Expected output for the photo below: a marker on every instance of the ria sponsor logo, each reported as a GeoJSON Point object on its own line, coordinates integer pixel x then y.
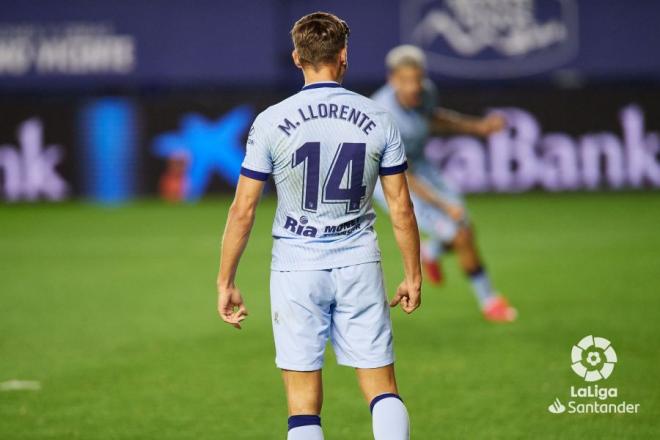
{"type": "Point", "coordinates": [301, 227]}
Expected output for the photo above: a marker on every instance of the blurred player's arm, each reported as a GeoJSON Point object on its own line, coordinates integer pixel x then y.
{"type": "Point", "coordinates": [429, 195]}
{"type": "Point", "coordinates": [450, 121]}
{"type": "Point", "coordinates": [395, 187]}
{"type": "Point", "coordinates": [237, 231]}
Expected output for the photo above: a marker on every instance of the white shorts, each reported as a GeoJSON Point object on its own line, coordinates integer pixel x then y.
{"type": "Point", "coordinates": [346, 304]}
{"type": "Point", "coordinates": [431, 220]}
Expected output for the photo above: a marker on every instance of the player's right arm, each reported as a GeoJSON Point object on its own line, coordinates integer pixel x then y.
{"type": "Point", "coordinates": [445, 120]}
{"type": "Point", "coordinates": [255, 170]}
{"type": "Point", "coordinates": [240, 219]}
{"type": "Point", "coordinates": [404, 223]}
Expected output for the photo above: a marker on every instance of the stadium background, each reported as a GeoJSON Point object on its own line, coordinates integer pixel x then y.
{"type": "Point", "coordinates": [107, 290]}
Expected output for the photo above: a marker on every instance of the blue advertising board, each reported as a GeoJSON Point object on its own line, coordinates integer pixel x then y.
{"type": "Point", "coordinates": [185, 145]}
{"type": "Point", "coordinates": [81, 43]}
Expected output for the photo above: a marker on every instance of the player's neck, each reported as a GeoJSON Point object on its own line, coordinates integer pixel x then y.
{"type": "Point", "coordinates": [323, 74]}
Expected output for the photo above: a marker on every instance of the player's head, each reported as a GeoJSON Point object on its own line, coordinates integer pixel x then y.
{"type": "Point", "coordinates": [320, 41]}
{"type": "Point", "coordinates": [406, 65]}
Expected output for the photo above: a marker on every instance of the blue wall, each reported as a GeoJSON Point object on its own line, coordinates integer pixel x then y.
{"type": "Point", "coordinates": [180, 43]}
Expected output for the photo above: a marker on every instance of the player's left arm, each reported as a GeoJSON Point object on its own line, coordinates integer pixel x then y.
{"type": "Point", "coordinates": [406, 234]}
{"type": "Point", "coordinates": [445, 120]}
{"type": "Point", "coordinates": [240, 219]}
{"type": "Point", "coordinates": [393, 165]}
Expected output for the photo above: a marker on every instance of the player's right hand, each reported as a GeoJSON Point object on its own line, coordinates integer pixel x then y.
{"type": "Point", "coordinates": [408, 296]}
{"type": "Point", "coordinates": [231, 307]}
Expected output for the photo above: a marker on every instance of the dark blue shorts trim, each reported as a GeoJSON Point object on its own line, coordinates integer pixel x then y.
{"type": "Point", "coordinates": [387, 171]}
{"type": "Point", "coordinates": [257, 175]}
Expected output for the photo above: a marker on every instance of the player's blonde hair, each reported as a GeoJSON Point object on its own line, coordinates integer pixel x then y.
{"type": "Point", "coordinates": [319, 37]}
{"type": "Point", "coordinates": [405, 55]}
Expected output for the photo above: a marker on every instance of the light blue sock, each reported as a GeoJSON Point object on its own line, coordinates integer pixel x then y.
{"type": "Point", "coordinates": [305, 427]}
{"type": "Point", "coordinates": [433, 248]}
{"type": "Point", "coordinates": [481, 285]}
{"type": "Point", "coordinates": [389, 418]}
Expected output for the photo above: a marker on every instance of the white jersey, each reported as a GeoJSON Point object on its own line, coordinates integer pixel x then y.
{"type": "Point", "coordinates": [325, 147]}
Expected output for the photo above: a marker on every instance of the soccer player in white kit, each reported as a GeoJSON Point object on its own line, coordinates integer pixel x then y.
{"type": "Point", "coordinates": [325, 148]}
{"type": "Point", "coordinates": [411, 99]}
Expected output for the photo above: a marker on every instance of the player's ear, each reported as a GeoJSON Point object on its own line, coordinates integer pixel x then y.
{"type": "Point", "coordinates": [296, 59]}
{"type": "Point", "coordinates": [343, 57]}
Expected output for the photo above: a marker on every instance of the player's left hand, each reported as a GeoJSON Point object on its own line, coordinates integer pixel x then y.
{"type": "Point", "coordinates": [231, 307]}
{"type": "Point", "coordinates": [408, 296]}
{"type": "Point", "coordinates": [491, 124]}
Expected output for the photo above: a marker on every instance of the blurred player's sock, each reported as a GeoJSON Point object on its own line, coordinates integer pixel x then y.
{"type": "Point", "coordinates": [494, 307]}
{"type": "Point", "coordinates": [481, 285]}
{"type": "Point", "coordinates": [431, 252]}
{"type": "Point", "coordinates": [432, 249]}
{"type": "Point", "coordinates": [389, 418]}
{"type": "Point", "coordinates": [304, 427]}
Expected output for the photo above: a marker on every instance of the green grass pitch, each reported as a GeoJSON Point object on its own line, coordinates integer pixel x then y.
{"type": "Point", "coordinates": [113, 311]}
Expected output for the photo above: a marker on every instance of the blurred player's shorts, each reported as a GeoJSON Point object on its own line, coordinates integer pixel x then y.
{"type": "Point", "coordinates": [431, 220]}
{"type": "Point", "coordinates": [348, 305]}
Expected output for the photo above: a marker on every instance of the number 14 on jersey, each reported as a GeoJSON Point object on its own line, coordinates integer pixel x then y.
{"type": "Point", "coordinates": [349, 159]}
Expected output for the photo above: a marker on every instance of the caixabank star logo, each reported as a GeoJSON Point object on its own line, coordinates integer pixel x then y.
{"type": "Point", "coordinates": [593, 358]}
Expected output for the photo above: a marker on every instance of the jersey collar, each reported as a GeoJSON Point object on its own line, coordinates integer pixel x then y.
{"type": "Point", "coordinates": [318, 85]}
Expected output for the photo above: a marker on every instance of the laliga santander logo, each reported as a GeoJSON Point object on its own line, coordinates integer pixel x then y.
{"type": "Point", "coordinates": [593, 358]}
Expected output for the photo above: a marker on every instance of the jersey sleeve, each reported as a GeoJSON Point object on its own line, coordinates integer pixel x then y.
{"type": "Point", "coordinates": [257, 163]}
{"type": "Point", "coordinates": [393, 159]}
